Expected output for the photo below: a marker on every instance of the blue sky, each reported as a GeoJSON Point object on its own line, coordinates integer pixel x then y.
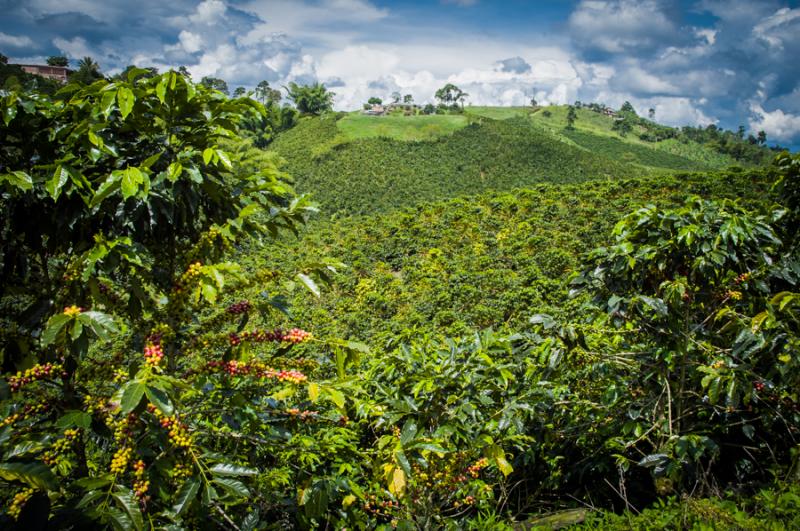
{"type": "Point", "coordinates": [728, 62]}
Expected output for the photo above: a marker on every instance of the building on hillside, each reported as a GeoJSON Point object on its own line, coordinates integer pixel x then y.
{"type": "Point", "coordinates": [609, 112]}
{"type": "Point", "coordinates": [375, 110]}
{"type": "Point", "coordinates": [59, 73]}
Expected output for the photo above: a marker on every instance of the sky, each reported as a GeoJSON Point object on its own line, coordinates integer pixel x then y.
{"type": "Point", "coordinates": [695, 62]}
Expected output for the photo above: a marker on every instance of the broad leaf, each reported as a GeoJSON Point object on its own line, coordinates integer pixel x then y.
{"type": "Point", "coordinates": [35, 474]}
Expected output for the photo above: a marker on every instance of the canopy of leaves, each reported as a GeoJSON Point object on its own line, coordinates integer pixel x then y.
{"type": "Point", "coordinates": [310, 99]}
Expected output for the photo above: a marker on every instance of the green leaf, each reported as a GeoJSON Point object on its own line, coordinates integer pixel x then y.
{"type": "Point", "coordinates": [102, 324]}
{"type": "Point", "coordinates": [336, 396]}
{"type": "Point", "coordinates": [402, 460]}
{"type": "Point", "coordinates": [310, 284]}
{"type": "Point", "coordinates": [9, 113]}
{"type": "Point", "coordinates": [161, 88]}
{"type": "Point", "coordinates": [20, 179]}
{"type": "Point", "coordinates": [186, 495]}
{"type": "Point", "coordinates": [90, 497]}
{"type": "Point", "coordinates": [226, 469]}
{"type": "Point", "coordinates": [233, 486]}
{"type": "Point", "coordinates": [159, 399]}
{"type": "Point", "coordinates": [360, 347]}
{"type": "Point", "coordinates": [134, 391]}
{"type": "Point", "coordinates": [54, 326]}
{"type": "Point", "coordinates": [435, 448]}
{"type": "Point", "coordinates": [109, 186]}
{"type": "Point", "coordinates": [225, 159]}
{"type": "Point", "coordinates": [57, 182]}
{"type": "Point", "coordinates": [208, 153]}
{"type": "Point", "coordinates": [35, 474]}
{"type": "Point", "coordinates": [107, 102]}
{"type": "Point", "coordinates": [408, 433]}
{"type": "Point", "coordinates": [126, 499]}
{"type": "Point", "coordinates": [74, 418]}
{"type": "Point", "coordinates": [119, 519]}
{"type": "Point", "coordinates": [131, 179]}
{"type": "Point", "coordinates": [25, 448]}
{"type": "Point", "coordinates": [125, 99]}
{"type": "Point", "coordinates": [174, 171]}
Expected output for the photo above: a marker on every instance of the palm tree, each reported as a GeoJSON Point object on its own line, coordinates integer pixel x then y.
{"type": "Point", "coordinates": [89, 65]}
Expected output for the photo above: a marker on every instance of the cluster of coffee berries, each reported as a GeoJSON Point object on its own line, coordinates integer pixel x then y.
{"type": "Point", "coordinates": [718, 364]}
{"type": "Point", "coordinates": [181, 471]}
{"type": "Point", "coordinates": [178, 432]}
{"type": "Point", "coordinates": [744, 277]}
{"type": "Point", "coordinates": [19, 501]}
{"type": "Point", "coordinates": [120, 461]}
{"type": "Point", "coordinates": [475, 469]}
{"type": "Point", "coordinates": [28, 411]}
{"type": "Point", "coordinates": [255, 369]}
{"type": "Point", "coordinates": [469, 500]}
{"type": "Point", "coordinates": [759, 386]}
{"type": "Point", "coordinates": [295, 335]}
{"type": "Point", "coordinates": [123, 428]}
{"type": "Point", "coordinates": [35, 373]}
{"type": "Point", "coordinates": [141, 484]}
{"type": "Point", "coordinates": [73, 310]}
{"type": "Point", "coordinates": [153, 354]}
{"type": "Point", "coordinates": [240, 307]}
{"type": "Point", "coordinates": [61, 446]}
{"type": "Point", "coordinates": [93, 404]}
{"type": "Point", "coordinates": [733, 295]}
{"type": "Point", "coordinates": [302, 415]}
{"type": "Point", "coordinates": [186, 278]}
{"type": "Point", "coordinates": [380, 507]}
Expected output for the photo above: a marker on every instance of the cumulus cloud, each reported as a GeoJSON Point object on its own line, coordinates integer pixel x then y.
{"type": "Point", "coordinates": [777, 124]}
{"type": "Point", "coordinates": [209, 12]}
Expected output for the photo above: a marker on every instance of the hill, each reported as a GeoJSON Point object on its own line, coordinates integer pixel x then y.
{"type": "Point", "coordinates": [356, 164]}
{"type": "Point", "coordinates": [378, 174]}
{"type": "Point", "coordinates": [489, 260]}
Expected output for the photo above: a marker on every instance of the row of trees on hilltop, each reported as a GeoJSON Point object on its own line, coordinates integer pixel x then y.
{"type": "Point", "coordinates": [450, 98]}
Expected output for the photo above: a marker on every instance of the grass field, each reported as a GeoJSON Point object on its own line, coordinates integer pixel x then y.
{"type": "Point", "coordinates": [356, 126]}
{"type": "Point", "coordinates": [497, 113]}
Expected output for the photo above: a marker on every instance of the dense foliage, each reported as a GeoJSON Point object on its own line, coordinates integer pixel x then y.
{"type": "Point", "coordinates": [310, 99]}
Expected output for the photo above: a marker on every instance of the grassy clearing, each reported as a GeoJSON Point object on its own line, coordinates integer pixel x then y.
{"type": "Point", "coordinates": [598, 125]}
{"type": "Point", "coordinates": [356, 126]}
{"type": "Point", "coordinates": [498, 113]}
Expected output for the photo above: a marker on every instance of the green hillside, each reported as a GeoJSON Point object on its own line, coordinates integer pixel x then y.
{"type": "Point", "coordinates": [355, 126]}
{"type": "Point", "coordinates": [357, 164]}
{"type": "Point", "coordinates": [378, 174]}
{"type": "Point", "coordinates": [490, 260]}
{"type": "Point", "coordinates": [591, 124]}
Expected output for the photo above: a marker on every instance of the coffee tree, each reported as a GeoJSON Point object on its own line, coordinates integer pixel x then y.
{"type": "Point", "coordinates": [705, 298]}
{"type": "Point", "coordinates": [138, 403]}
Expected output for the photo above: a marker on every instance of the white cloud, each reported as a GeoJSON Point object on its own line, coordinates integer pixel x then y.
{"type": "Point", "coordinates": [14, 40]}
{"type": "Point", "coordinates": [190, 42]}
{"type": "Point", "coordinates": [773, 29]}
{"type": "Point", "coordinates": [637, 80]}
{"type": "Point", "coordinates": [75, 48]}
{"type": "Point", "coordinates": [777, 124]}
{"type": "Point", "coordinates": [209, 12]}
